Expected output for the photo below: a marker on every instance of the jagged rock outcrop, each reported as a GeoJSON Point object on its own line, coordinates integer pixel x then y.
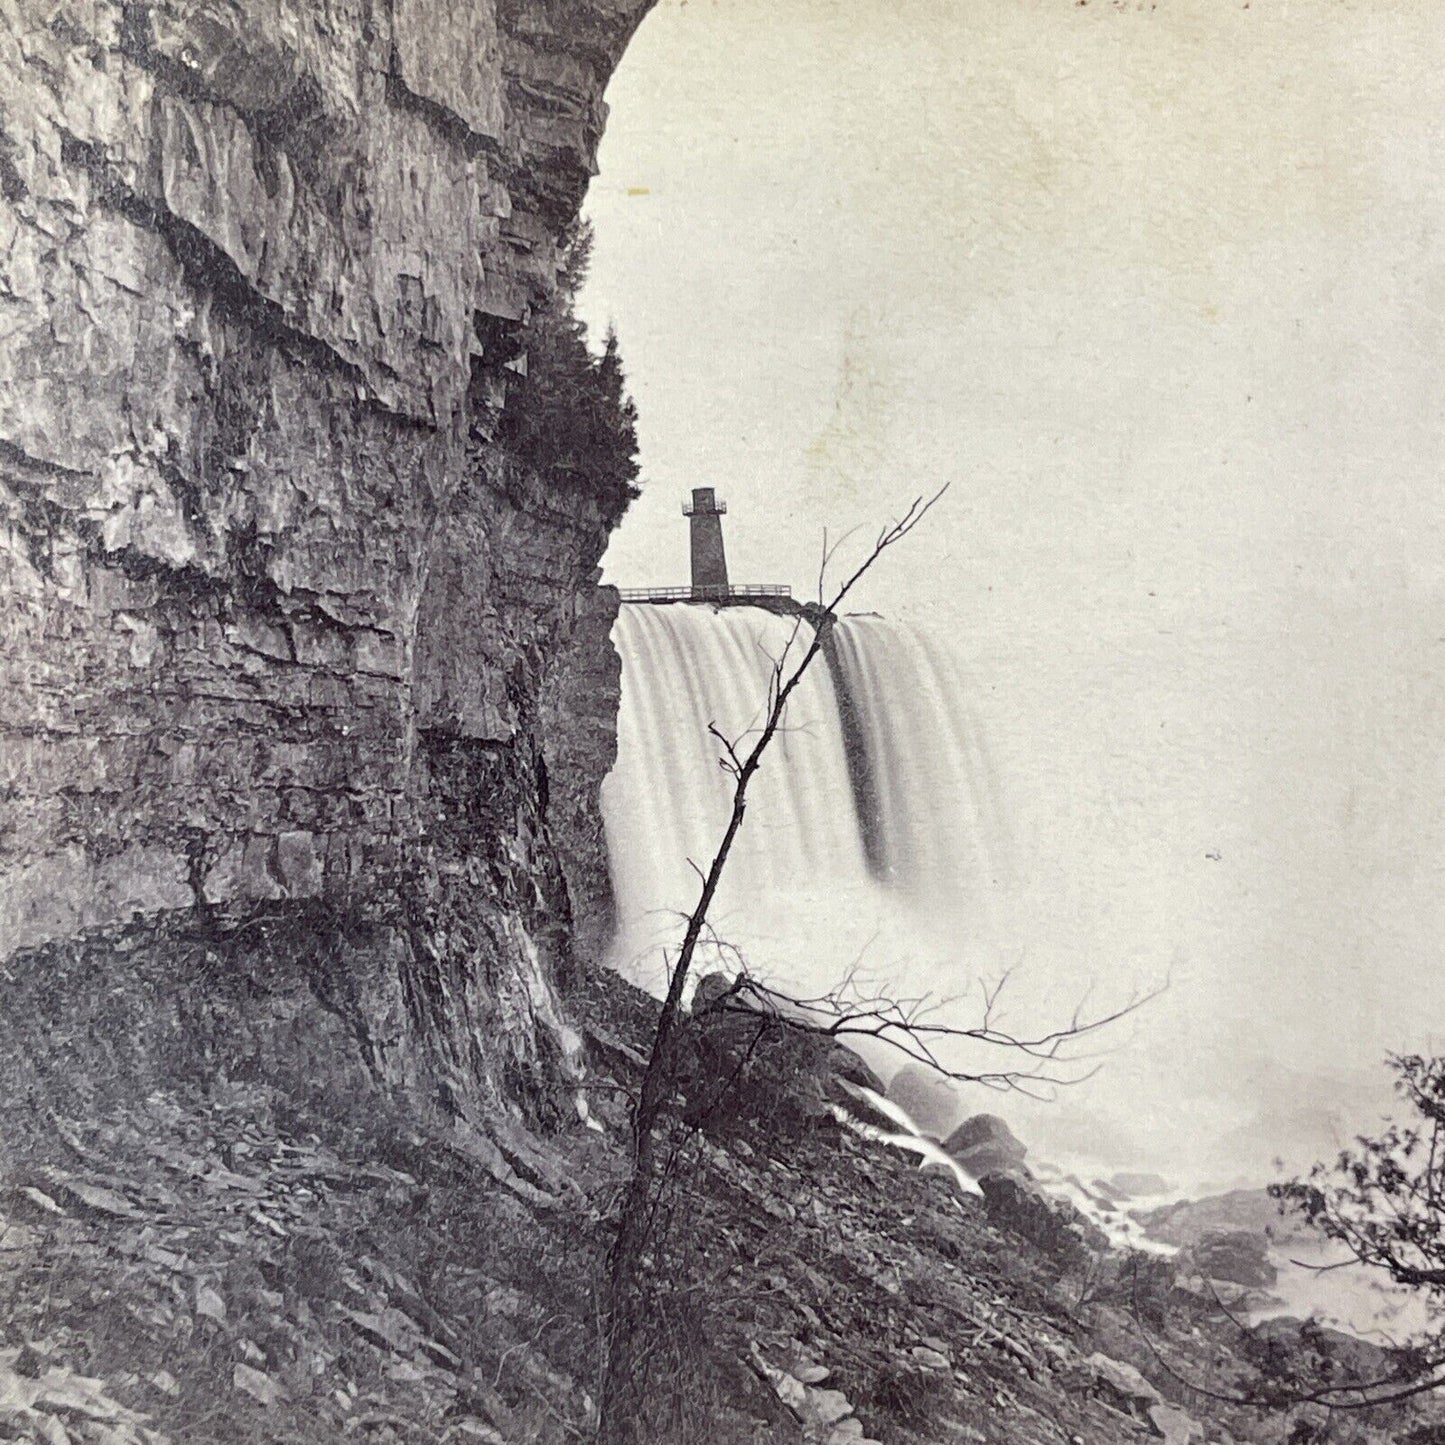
{"type": "Point", "coordinates": [285, 631]}
{"type": "Point", "coordinates": [735, 1050]}
{"type": "Point", "coordinates": [1187, 1222]}
{"type": "Point", "coordinates": [1054, 1226]}
{"type": "Point", "coordinates": [1235, 1257]}
{"type": "Point", "coordinates": [984, 1144]}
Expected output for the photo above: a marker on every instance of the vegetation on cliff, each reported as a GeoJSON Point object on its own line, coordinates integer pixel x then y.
{"type": "Point", "coordinates": [568, 416]}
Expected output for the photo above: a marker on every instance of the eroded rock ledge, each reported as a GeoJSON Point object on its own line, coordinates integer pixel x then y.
{"type": "Point", "coordinates": [287, 637]}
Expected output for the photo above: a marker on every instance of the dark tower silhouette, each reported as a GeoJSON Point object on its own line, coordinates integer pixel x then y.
{"type": "Point", "coordinates": [709, 562]}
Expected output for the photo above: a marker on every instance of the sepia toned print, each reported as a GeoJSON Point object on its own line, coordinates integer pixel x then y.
{"type": "Point", "coordinates": [718, 722]}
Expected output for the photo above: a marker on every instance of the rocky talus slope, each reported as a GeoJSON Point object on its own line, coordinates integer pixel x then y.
{"type": "Point", "coordinates": [232, 1258]}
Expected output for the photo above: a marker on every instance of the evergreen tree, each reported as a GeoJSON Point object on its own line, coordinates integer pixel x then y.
{"type": "Point", "coordinates": [570, 418]}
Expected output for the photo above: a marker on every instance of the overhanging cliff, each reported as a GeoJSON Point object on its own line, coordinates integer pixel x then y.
{"type": "Point", "coordinates": [289, 642]}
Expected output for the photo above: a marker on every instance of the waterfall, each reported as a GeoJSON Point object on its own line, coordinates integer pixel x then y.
{"type": "Point", "coordinates": [926, 790]}
{"type": "Point", "coordinates": [870, 822]}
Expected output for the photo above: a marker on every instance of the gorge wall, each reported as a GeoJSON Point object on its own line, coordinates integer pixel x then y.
{"type": "Point", "coordinates": [304, 681]}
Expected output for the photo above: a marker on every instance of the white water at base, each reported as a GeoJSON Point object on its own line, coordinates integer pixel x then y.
{"type": "Point", "coordinates": [800, 900]}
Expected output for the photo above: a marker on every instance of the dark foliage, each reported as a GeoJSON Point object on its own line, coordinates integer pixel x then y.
{"type": "Point", "coordinates": [1385, 1199]}
{"type": "Point", "coordinates": [569, 418]}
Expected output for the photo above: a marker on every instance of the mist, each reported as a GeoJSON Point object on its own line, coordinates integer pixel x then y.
{"type": "Point", "coordinates": [1158, 293]}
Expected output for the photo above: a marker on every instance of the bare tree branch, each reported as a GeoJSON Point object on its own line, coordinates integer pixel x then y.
{"type": "Point", "coordinates": [658, 1078]}
{"type": "Point", "coordinates": [856, 1009]}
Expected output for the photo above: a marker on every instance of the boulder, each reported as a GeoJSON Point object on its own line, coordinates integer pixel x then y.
{"type": "Point", "coordinates": [1122, 1386]}
{"type": "Point", "coordinates": [845, 1065]}
{"type": "Point", "coordinates": [1321, 1350]}
{"type": "Point", "coordinates": [1235, 1256]}
{"type": "Point", "coordinates": [929, 1358]}
{"type": "Point", "coordinates": [1187, 1221]}
{"type": "Point", "coordinates": [821, 1408]}
{"type": "Point", "coordinates": [745, 1064]}
{"type": "Point", "coordinates": [1126, 1185]}
{"type": "Point", "coordinates": [929, 1099]}
{"type": "Point", "coordinates": [985, 1145]}
{"type": "Point", "coordinates": [709, 990]}
{"type": "Point", "coordinates": [1053, 1226]}
{"type": "Point", "coordinates": [1175, 1426]}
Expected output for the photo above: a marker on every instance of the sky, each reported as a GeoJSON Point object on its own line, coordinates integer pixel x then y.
{"type": "Point", "coordinates": [1157, 290]}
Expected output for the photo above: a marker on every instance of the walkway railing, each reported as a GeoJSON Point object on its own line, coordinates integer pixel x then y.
{"type": "Point", "coordinates": [703, 594]}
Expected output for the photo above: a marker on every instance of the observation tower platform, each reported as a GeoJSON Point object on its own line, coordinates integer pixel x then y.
{"type": "Point", "coordinates": [710, 582]}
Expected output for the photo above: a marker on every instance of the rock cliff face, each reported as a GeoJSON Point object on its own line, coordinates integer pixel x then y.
{"type": "Point", "coordinates": [288, 641]}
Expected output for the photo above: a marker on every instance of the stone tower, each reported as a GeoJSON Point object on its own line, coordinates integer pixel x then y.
{"type": "Point", "coordinates": [709, 562]}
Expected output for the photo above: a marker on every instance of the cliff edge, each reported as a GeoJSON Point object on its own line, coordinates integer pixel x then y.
{"type": "Point", "coordinates": [289, 639]}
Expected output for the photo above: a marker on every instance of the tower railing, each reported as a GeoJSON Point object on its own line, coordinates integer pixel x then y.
{"type": "Point", "coordinates": [704, 509]}
{"type": "Point", "coordinates": [704, 594]}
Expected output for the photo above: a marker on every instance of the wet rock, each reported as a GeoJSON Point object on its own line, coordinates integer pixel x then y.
{"type": "Point", "coordinates": [1187, 1221]}
{"type": "Point", "coordinates": [985, 1145]}
{"type": "Point", "coordinates": [1236, 1257]}
{"type": "Point", "coordinates": [1054, 1226]}
{"type": "Point", "coordinates": [858, 1105]}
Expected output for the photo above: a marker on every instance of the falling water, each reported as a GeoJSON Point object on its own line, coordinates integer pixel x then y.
{"type": "Point", "coordinates": [871, 830]}
{"type": "Point", "coordinates": [927, 792]}
{"type": "Point", "coordinates": [799, 856]}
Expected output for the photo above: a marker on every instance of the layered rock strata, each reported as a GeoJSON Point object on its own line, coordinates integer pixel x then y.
{"type": "Point", "coordinates": [285, 632]}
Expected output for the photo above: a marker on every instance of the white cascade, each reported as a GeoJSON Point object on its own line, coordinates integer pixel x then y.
{"type": "Point", "coordinates": [808, 894]}
{"type": "Point", "coordinates": [798, 866]}
{"type": "Point", "coordinates": [928, 793]}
